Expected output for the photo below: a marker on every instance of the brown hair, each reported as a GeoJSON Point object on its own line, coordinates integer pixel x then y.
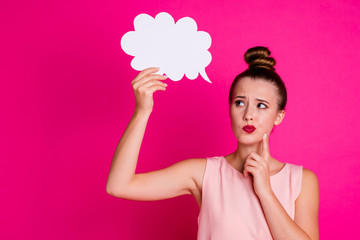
{"type": "Point", "coordinates": [261, 66]}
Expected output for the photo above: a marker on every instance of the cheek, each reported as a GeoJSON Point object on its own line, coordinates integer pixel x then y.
{"type": "Point", "coordinates": [268, 123]}
{"type": "Point", "coordinates": [262, 119]}
{"type": "Point", "coordinates": [235, 118]}
{"type": "Point", "coordinates": [235, 122]}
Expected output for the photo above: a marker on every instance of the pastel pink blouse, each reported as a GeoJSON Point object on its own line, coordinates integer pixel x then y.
{"type": "Point", "coordinates": [230, 208]}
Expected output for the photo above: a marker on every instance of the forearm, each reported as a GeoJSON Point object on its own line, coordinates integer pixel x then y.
{"type": "Point", "coordinates": [125, 158]}
{"type": "Point", "coordinates": [281, 225]}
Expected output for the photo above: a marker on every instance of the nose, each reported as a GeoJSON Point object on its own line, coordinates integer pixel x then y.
{"type": "Point", "coordinates": [248, 115]}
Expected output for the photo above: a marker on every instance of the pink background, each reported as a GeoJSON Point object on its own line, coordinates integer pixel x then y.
{"type": "Point", "coordinates": [66, 98]}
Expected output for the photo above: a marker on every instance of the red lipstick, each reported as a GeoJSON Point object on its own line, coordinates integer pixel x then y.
{"type": "Point", "coordinates": [249, 128]}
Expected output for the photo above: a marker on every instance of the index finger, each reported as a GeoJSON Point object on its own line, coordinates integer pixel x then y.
{"type": "Point", "coordinates": [145, 72]}
{"type": "Point", "coordinates": [265, 146]}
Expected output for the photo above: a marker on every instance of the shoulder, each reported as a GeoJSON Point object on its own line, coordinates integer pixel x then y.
{"type": "Point", "coordinates": [303, 181]}
{"type": "Point", "coordinates": [309, 176]}
{"type": "Point", "coordinates": [309, 185]}
{"type": "Point", "coordinates": [192, 166]}
{"type": "Point", "coordinates": [195, 162]}
{"type": "Point", "coordinates": [309, 179]}
{"type": "Point", "coordinates": [195, 167]}
{"type": "Point", "coordinates": [198, 166]}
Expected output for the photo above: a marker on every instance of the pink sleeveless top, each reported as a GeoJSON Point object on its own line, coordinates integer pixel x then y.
{"type": "Point", "coordinates": [230, 208]}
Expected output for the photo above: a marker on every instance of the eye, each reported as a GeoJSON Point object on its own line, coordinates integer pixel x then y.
{"type": "Point", "coordinates": [263, 104]}
{"type": "Point", "coordinates": [237, 102]}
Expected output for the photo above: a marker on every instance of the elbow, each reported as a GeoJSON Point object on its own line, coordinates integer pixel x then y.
{"type": "Point", "coordinates": [117, 190]}
{"type": "Point", "coordinates": [108, 190]}
{"type": "Point", "coordinates": [113, 192]}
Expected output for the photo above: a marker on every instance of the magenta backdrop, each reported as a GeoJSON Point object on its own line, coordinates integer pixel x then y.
{"type": "Point", "coordinates": [66, 98]}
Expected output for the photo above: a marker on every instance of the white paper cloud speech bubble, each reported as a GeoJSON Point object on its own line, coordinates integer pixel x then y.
{"type": "Point", "coordinates": [177, 49]}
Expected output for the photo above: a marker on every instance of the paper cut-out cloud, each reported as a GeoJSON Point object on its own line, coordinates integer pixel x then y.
{"type": "Point", "coordinates": [177, 49]}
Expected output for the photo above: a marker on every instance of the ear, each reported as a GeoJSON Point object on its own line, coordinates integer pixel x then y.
{"type": "Point", "coordinates": [279, 117]}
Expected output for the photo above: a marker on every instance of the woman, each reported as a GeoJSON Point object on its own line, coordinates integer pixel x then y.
{"type": "Point", "coordinates": [247, 194]}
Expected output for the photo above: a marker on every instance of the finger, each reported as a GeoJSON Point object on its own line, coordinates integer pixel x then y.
{"type": "Point", "coordinates": [148, 87]}
{"type": "Point", "coordinates": [251, 162]}
{"type": "Point", "coordinates": [148, 78]}
{"type": "Point", "coordinates": [153, 82]}
{"type": "Point", "coordinates": [255, 156]}
{"type": "Point", "coordinates": [146, 72]}
{"type": "Point", "coordinates": [265, 147]}
{"type": "Point", "coordinates": [255, 160]}
{"type": "Point", "coordinates": [249, 170]}
{"type": "Point", "coordinates": [156, 87]}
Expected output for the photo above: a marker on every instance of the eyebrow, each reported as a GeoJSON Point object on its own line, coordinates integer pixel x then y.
{"type": "Point", "coordinates": [262, 100]}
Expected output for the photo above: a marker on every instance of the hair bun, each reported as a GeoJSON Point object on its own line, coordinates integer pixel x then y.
{"type": "Point", "coordinates": [259, 57]}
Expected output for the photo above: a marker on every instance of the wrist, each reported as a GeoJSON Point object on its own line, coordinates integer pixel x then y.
{"type": "Point", "coordinates": [266, 196]}
{"type": "Point", "coordinates": [138, 113]}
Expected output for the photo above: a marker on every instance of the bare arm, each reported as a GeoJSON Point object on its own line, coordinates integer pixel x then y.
{"type": "Point", "coordinates": [123, 165]}
{"type": "Point", "coordinates": [305, 225]}
{"type": "Point", "coordinates": [165, 183]}
{"type": "Point", "coordinates": [307, 205]}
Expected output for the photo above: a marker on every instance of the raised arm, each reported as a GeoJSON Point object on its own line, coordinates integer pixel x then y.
{"type": "Point", "coordinates": [165, 183]}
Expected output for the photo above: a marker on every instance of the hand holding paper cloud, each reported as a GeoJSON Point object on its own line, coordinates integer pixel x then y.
{"type": "Point", "coordinates": [177, 49]}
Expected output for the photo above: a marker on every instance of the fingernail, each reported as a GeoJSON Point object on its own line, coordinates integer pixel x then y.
{"type": "Point", "coordinates": [165, 84]}
{"type": "Point", "coordinates": [265, 135]}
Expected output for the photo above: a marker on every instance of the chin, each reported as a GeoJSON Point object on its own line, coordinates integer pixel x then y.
{"type": "Point", "coordinates": [248, 141]}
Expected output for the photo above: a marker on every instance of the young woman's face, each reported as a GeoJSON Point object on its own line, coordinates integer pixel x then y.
{"type": "Point", "coordinates": [254, 102]}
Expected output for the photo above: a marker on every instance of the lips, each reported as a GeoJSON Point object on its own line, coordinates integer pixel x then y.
{"type": "Point", "coordinates": [249, 128]}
